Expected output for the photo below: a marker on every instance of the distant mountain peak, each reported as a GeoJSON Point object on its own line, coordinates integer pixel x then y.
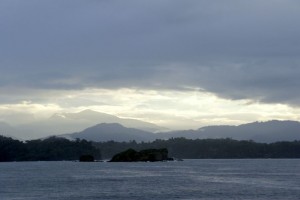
{"type": "Point", "coordinates": [108, 125]}
{"type": "Point", "coordinates": [272, 123]}
{"type": "Point", "coordinates": [112, 131]}
{"type": "Point", "coordinates": [89, 111]}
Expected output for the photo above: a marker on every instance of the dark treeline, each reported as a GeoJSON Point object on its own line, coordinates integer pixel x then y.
{"type": "Point", "coordinates": [54, 148]}
{"type": "Point", "coordinates": [51, 149]}
{"type": "Point", "coordinates": [207, 148]}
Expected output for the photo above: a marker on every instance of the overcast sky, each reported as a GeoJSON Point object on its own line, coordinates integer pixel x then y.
{"type": "Point", "coordinates": [183, 63]}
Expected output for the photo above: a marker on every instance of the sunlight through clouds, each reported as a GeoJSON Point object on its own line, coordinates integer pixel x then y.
{"type": "Point", "coordinates": [172, 109]}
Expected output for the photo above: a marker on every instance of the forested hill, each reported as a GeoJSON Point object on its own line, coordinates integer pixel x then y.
{"type": "Point", "coordinates": [207, 148]}
{"type": "Point", "coordinates": [50, 149]}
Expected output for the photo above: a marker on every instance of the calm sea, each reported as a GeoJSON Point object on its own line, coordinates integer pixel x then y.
{"type": "Point", "coordinates": [190, 179]}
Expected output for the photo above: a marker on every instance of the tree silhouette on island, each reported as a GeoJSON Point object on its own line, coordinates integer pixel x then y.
{"type": "Point", "coordinates": [147, 155]}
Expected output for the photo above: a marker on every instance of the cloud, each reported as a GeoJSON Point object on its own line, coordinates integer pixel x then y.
{"type": "Point", "coordinates": [168, 108]}
{"type": "Point", "coordinates": [25, 112]}
{"type": "Point", "coordinates": [237, 50]}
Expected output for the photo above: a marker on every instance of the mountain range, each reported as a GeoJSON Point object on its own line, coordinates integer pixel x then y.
{"type": "Point", "coordinates": [62, 123]}
{"type": "Point", "coordinates": [96, 126]}
{"type": "Point", "coordinates": [271, 131]}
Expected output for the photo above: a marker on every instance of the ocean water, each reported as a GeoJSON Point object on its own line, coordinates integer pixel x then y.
{"type": "Point", "coordinates": [190, 179]}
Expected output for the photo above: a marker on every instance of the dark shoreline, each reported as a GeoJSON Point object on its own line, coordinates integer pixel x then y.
{"type": "Point", "coordinates": [60, 149]}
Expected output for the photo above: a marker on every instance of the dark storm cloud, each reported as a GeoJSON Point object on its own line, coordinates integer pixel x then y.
{"type": "Point", "coordinates": [236, 49]}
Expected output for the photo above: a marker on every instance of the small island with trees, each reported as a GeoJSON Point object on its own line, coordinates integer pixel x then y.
{"type": "Point", "coordinates": [147, 155]}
